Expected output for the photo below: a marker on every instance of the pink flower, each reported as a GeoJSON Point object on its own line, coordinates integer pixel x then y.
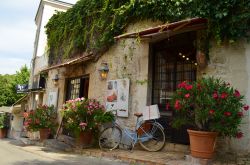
{"type": "Point", "coordinates": [177, 105]}
{"type": "Point", "coordinates": [26, 123]}
{"type": "Point", "coordinates": [227, 113]}
{"type": "Point", "coordinates": [187, 95]}
{"type": "Point", "coordinates": [188, 87]}
{"type": "Point", "coordinates": [82, 124]}
{"type": "Point", "coordinates": [25, 114]}
{"type": "Point", "coordinates": [246, 107]}
{"type": "Point", "coordinates": [239, 135]}
{"type": "Point", "coordinates": [224, 95]}
{"type": "Point", "coordinates": [211, 112]}
{"type": "Point", "coordinates": [215, 95]}
{"type": "Point", "coordinates": [236, 93]}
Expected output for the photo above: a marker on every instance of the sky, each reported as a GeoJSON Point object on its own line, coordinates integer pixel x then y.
{"type": "Point", "coordinates": [17, 33]}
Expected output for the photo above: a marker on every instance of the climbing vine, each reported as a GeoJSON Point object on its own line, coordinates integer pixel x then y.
{"type": "Point", "coordinates": [90, 25]}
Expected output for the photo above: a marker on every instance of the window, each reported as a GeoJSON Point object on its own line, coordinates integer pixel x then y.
{"type": "Point", "coordinates": [77, 87]}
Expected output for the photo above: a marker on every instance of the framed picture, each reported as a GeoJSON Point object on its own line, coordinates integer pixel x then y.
{"type": "Point", "coordinates": [118, 96]}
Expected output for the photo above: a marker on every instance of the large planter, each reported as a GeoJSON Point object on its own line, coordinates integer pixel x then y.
{"type": "Point", "coordinates": [202, 143]}
{"type": "Point", "coordinates": [44, 133]}
{"type": "Point", "coordinates": [3, 133]}
{"type": "Point", "coordinates": [85, 138]}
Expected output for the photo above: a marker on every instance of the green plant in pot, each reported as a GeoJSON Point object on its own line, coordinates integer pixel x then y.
{"type": "Point", "coordinates": [83, 117]}
{"type": "Point", "coordinates": [4, 124]}
{"type": "Point", "coordinates": [211, 107]}
{"type": "Point", "coordinates": [43, 119]}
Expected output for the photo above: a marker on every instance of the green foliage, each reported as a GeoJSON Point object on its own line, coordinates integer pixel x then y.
{"type": "Point", "coordinates": [84, 115]}
{"type": "Point", "coordinates": [43, 117]}
{"type": "Point", "coordinates": [209, 104]}
{"type": "Point", "coordinates": [4, 120]}
{"type": "Point", "coordinates": [7, 96]}
{"type": "Point", "coordinates": [89, 26]}
{"type": "Point", "coordinates": [8, 83]}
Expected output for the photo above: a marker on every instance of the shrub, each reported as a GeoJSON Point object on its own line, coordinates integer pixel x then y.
{"type": "Point", "coordinates": [209, 104]}
{"type": "Point", "coordinates": [43, 117]}
{"type": "Point", "coordinates": [4, 120]}
{"type": "Point", "coordinates": [84, 115]}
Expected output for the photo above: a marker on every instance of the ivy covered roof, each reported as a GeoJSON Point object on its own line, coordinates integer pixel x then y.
{"type": "Point", "coordinates": [91, 25]}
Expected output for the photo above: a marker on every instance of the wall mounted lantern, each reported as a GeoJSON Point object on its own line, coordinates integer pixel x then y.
{"type": "Point", "coordinates": [55, 79]}
{"type": "Point", "coordinates": [103, 70]}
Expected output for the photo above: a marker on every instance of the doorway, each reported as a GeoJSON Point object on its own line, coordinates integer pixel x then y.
{"type": "Point", "coordinates": [173, 61]}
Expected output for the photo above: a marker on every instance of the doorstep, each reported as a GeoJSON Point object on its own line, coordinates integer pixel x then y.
{"type": "Point", "coordinates": [138, 156]}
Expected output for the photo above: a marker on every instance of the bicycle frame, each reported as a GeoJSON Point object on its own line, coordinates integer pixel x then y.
{"type": "Point", "coordinates": [132, 134]}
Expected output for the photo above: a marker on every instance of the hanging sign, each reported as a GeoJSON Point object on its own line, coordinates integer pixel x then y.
{"type": "Point", "coordinates": [117, 96]}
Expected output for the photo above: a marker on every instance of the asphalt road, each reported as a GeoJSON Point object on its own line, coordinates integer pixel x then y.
{"type": "Point", "coordinates": [13, 152]}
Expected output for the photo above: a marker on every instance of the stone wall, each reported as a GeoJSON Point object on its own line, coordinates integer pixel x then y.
{"type": "Point", "coordinates": [129, 58]}
{"type": "Point", "coordinates": [231, 63]}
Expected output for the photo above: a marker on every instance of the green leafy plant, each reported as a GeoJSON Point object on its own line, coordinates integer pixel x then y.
{"type": "Point", "coordinates": [209, 104]}
{"type": "Point", "coordinates": [85, 115]}
{"type": "Point", "coordinates": [90, 26]}
{"type": "Point", "coordinates": [43, 117]}
{"type": "Point", "coordinates": [4, 120]}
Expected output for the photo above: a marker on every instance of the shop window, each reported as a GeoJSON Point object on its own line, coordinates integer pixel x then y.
{"type": "Point", "coordinates": [77, 87]}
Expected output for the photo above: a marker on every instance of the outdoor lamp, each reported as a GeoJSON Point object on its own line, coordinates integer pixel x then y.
{"type": "Point", "coordinates": [103, 70]}
{"type": "Point", "coordinates": [55, 79]}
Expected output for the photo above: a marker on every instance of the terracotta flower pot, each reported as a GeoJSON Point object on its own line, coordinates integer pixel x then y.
{"type": "Point", "coordinates": [202, 143]}
{"type": "Point", "coordinates": [3, 133]}
{"type": "Point", "coordinates": [44, 133]}
{"type": "Point", "coordinates": [85, 138]}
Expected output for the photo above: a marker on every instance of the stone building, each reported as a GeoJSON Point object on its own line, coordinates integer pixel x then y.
{"type": "Point", "coordinates": [163, 56]}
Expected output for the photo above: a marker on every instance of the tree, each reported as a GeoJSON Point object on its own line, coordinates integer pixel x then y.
{"type": "Point", "coordinates": [8, 94]}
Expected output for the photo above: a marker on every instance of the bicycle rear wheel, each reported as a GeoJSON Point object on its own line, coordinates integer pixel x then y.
{"type": "Point", "coordinates": [110, 138]}
{"type": "Point", "coordinates": [151, 136]}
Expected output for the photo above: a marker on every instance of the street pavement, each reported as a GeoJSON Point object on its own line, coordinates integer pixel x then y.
{"type": "Point", "coordinates": [13, 152]}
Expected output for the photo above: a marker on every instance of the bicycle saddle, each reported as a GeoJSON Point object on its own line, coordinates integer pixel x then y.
{"type": "Point", "coordinates": [138, 114]}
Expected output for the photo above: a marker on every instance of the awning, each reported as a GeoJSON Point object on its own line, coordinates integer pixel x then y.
{"type": "Point", "coordinates": [168, 29]}
{"type": "Point", "coordinates": [71, 62]}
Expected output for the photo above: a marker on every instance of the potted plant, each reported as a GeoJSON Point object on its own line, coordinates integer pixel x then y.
{"type": "Point", "coordinates": [4, 124]}
{"type": "Point", "coordinates": [211, 107]}
{"type": "Point", "coordinates": [83, 117]}
{"type": "Point", "coordinates": [43, 119]}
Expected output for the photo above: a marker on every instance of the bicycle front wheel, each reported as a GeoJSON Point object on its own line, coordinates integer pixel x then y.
{"type": "Point", "coordinates": [110, 138]}
{"type": "Point", "coordinates": [151, 136]}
